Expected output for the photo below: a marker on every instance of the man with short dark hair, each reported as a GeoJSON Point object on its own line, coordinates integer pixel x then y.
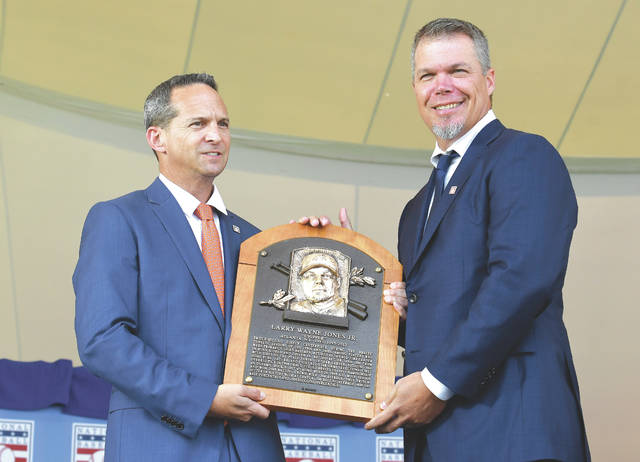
{"type": "Point", "coordinates": [484, 246]}
{"type": "Point", "coordinates": [154, 289]}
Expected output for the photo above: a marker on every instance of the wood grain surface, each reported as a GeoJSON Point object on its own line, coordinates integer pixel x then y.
{"type": "Point", "coordinates": [301, 402]}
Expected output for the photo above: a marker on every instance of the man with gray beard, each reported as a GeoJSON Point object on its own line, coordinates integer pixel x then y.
{"type": "Point", "coordinates": [484, 245]}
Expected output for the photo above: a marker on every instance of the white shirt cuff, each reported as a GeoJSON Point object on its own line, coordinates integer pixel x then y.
{"type": "Point", "coordinates": [435, 386]}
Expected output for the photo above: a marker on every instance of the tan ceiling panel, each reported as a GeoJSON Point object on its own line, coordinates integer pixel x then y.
{"type": "Point", "coordinates": [548, 53]}
{"type": "Point", "coordinates": [314, 69]}
{"type": "Point", "coordinates": [397, 122]}
{"type": "Point", "coordinates": [310, 69]}
{"type": "Point", "coordinates": [542, 51]}
{"type": "Point", "coordinates": [109, 52]}
{"type": "Point", "coordinates": [606, 124]}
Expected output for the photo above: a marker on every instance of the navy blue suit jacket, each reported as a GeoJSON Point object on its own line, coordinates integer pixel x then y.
{"type": "Point", "coordinates": [148, 321]}
{"type": "Point", "coordinates": [486, 319]}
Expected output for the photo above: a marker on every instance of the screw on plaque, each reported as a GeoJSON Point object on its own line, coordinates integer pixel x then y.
{"type": "Point", "coordinates": [378, 269]}
{"type": "Point", "coordinates": [368, 396]}
{"type": "Point", "coordinates": [264, 253]}
{"type": "Point", "coordinates": [248, 379]}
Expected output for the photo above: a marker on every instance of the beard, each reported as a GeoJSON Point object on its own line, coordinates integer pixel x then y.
{"type": "Point", "coordinates": [448, 131]}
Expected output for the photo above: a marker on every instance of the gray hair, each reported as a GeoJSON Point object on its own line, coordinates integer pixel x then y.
{"type": "Point", "coordinates": [444, 27]}
{"type": "Point", "coordinates": [158, 110]}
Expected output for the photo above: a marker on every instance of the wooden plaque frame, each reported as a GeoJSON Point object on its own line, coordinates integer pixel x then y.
{"type": "Point", "coordinates": [297, 401]}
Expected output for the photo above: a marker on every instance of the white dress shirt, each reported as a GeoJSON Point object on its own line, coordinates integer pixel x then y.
{"type": "Point", "coordinates": [188, 203]}
{"type": "Point", "coordinates": [461, 145]}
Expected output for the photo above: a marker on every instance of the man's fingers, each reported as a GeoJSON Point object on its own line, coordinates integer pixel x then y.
{"type": "Point", "coordinates": [314, 221]}
{"type": "Point", "coordinates": [379, 420]}
{"type": "Point", "coordinates": [397, 296]}
{"type": "Point", "coordinates": [253, 407]}
{"type": "Point", "coordinates": [391, 426]}
{"type": "Point", "coordinates": [387, 402]}
{"type": "Point", "coordinates": [401, 310]}
{"type": "Point", "coordinates": [253, 393]}
{"type": "Point", "coordinates": [345, 222]}
{"type": "Point", "coordinates": [392, 396]}
{"type": "Point", "coordinates": [259, 411]}
{"type": "Point", "coordinates": [323, 220]}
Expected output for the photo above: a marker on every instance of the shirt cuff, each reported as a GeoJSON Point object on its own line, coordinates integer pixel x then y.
{"type": "Point", "coordinates": [435, 386]}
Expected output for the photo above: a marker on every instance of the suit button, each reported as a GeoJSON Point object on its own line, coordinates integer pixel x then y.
{"type": "Point", "coordinates": [180, 426]}
{"type": "Point", "coordinates": [413, 298]}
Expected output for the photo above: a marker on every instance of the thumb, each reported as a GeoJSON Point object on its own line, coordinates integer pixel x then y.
{"type": "Point", "coordinates": [254, 394]}
{"type": "Point", "coordinates": [344, 219]}
{"type": "Point", "coordinates": [385, 404]}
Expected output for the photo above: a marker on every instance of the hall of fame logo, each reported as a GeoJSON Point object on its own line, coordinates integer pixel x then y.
{"type": "Point", "coordinates": [389, 449]}
{"type": "Point", "coordinates": [310, 447]}
{"type": "Point", "coordinates": [88, 442]}
{"type": "Point", "coordinates": [16, 440]}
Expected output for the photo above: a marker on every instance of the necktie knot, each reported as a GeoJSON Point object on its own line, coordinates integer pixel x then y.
{"type": "Point", "coordinates": [204, 212]}
{"type": "Point", "coordinates": [445, 159]}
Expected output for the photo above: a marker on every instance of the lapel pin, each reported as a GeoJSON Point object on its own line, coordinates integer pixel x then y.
{"type": "Point", "coordinates": [453, 189]}
{"type": "Point", "coordinates": [236, 229]}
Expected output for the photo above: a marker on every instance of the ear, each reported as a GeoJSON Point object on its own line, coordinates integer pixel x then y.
{"type": "Point", "coordinates": [156, 139]}
{"type": "Point", "coordinates": [491, 81]}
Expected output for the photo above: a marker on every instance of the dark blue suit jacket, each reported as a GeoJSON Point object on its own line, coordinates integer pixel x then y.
{"type": "Point", "coordinates": [148, 320]}
{"type": "Point", "coordinates": [486, 279]}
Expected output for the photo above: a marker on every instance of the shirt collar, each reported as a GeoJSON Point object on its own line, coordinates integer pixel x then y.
{"type": "Point", "coordinates": [187, 202]}
{"type": "Point", "coordinates": [462, 144]}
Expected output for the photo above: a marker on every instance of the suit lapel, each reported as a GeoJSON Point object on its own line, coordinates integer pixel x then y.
{"type": "Point", "coordinates": [231, 240]}
{"type": "Point", "coordinates": [174, 222]}
{"type": "Point", "coordinates": [423, 200]}
{"type": "Point", "coordinates": [414, 222]}
{"type": "Point", "coordinates": [466, 167]}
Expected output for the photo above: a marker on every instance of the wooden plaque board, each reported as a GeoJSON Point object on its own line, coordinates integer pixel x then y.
{"type": "Point", "coordinates": [246, 308]}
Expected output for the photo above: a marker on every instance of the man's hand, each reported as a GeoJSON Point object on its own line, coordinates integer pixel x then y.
{"type": "Point", "coordinates": [397, 295]}
{"type": "Point", "coordinates": [411, 404]}
{"type": "Point", "coordinates": [324, 220]}
{"type": "Point", "coordinates": [233, 401]}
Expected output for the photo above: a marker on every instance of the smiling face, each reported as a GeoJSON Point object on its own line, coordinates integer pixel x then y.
{"type": "Point", "coordinates": [193, 148]}
{"type": "Point", "coordinates": [451, 91]}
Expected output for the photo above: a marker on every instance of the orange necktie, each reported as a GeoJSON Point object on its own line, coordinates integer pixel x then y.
{"type": "Point", "coordinates": [211, 250]}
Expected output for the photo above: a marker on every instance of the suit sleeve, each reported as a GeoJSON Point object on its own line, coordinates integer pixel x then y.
{"type": "Point", "coordinates": [531, 215]}
{"type": "Point", "coordinates": [106, 286]}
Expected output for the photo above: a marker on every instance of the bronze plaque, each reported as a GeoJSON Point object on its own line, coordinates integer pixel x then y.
{"type": "Point", "coordinates": [310, 325]}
